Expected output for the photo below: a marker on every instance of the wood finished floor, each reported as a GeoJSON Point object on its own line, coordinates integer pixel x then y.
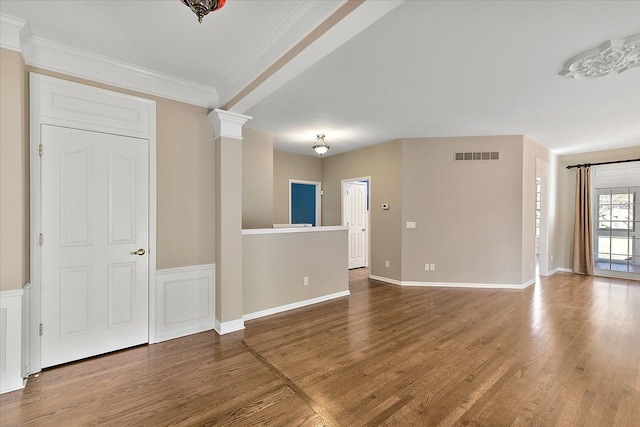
{"type": "Point", "coordinates": [564, 352]}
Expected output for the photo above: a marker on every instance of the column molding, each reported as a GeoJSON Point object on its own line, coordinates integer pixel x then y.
{"type": "Point", "coordinates": [227, 123]}
{"type": "Point", "coordinates": [228, 231]}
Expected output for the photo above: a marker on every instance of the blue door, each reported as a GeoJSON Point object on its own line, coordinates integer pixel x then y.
{"type": "Point", "coordinates": [303, 203]}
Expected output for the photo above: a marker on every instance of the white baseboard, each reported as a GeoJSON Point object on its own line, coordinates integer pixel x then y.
{"type": "Point", "coordinates": [456, 285]}
{"type": "Point", "coordinates": [185, 301]}
{"type": "Point", "coordinates": [227, 327]}
{"type": "Point", "coordinates": [294, 305]}
{"type": "Point", "coordinates": [564, 270]}
{"type": "Point", "coordinates": [11, 340]}
{"type": "Point", "coordinates": [386, 279]}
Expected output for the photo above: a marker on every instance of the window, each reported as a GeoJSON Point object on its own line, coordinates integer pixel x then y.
{"type": "Point", "coordinates": [615, 210]}
{"type": "Point", "coordinates": [616, 243]}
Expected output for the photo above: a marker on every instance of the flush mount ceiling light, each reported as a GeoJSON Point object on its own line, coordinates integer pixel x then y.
{"type": "Point", "coordinates": [203, 7]}
{"type": "Point", "coordinates": [320, 146]}
{"type": "Point", "coordinates": [614, 55]}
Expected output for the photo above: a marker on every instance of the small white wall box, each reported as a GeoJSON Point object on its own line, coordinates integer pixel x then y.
{"type": "Point", "coordinates": [385, 206]}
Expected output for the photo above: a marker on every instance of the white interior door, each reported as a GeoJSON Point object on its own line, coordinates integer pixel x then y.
{"type": "Point", "coordinates": [355, 217]}
{"type": "Point", "coordinates": [95, 196]}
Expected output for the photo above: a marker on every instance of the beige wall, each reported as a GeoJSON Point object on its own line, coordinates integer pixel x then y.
{"type": "Point", "coordinates": [14, 173]}
{"type": "Point", "coordinates": [288, 166]}
{"type": "Point", "coordinates": [257, 179]}
{"type": "Point", "coordinates": [185, 171]}
{"type": "Point", "coordinates": [274, 266]}
{"type": "Point", "coordinates": [565, 197]}
{"type": "Point", "coordinates": [383, 163]}
{"type": "Point", "coordinates": [468, 214]}
{"type": "Point", "coordinates": [185, 179]}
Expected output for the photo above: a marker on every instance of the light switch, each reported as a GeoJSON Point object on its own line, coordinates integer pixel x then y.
{"type": "Point", "coordinates": [411, 224]}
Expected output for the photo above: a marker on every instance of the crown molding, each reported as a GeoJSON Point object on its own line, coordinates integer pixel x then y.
{"type": "Point", "coordinates": [14, 33]}
{"type": "Point", "coordinates": [42, 53]}
{"type": "Point", "coordinates": [228, 124]}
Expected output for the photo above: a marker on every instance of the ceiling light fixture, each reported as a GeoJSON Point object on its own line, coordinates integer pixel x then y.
{"type": "Point", "coordinates": [203, 7]}
{"type": "Point", "coordinates": [613, 55]}
{"type": "Point", "coordinates": [320, 146]}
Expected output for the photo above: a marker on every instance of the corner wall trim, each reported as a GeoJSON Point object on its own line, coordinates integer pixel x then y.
{"type": "Point", "coordinates": [11, 340]}
{"type": "Point", "coordinates": [185, 301]}
{"type": "Point", "coordinates": [294, 305]}
{"type": "Point", "coordinates": [454, 284]}
{"type": "Point", "coordinates": [227, 327]}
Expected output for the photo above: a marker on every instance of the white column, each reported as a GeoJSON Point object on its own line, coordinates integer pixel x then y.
{"type": "Point", "coordinates": [228, 199]}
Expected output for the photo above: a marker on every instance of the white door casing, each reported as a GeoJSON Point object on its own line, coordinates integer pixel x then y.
{"type": "Point", "coordinates": [94, 216]}
{"type": "Point", "coordinates": [66, 104]}
{"type": "Point", "coordinates": [355, 217]}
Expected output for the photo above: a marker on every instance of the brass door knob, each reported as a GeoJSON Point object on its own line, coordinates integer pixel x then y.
{"type": "Point", "coordinates": [140, 251]}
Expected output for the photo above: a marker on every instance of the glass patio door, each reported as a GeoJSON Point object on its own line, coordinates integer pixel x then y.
{"type": "Point", "coordinates": [617, 229]}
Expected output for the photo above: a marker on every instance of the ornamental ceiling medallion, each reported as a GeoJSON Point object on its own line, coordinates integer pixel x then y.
{"type": "Point", "coordinates": [613, 55]}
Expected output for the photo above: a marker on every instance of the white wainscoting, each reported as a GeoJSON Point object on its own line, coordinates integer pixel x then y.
{"type": "Point", "coordinates": [11, 340]}
{"type": "Point", "coordinates": [185, 301]}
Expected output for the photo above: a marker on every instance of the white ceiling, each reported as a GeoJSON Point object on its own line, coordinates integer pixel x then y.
{"type": "Point", "coordinates": [423, 69]}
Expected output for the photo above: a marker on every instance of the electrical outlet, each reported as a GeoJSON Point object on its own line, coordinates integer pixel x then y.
{"type": "Point", "coordinates": [386, 263]}
{"type": "Point", "coordinates": [433, 267]}
{"type": "Point", "coordinates": [305, 281]}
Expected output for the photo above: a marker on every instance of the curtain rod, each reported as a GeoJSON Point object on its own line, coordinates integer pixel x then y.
{"type": "Point", "coordinates": [602, 163]}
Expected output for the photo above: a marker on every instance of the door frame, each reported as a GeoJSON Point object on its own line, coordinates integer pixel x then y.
{"type": "Point", "coordinates": [542, 172]}
{"type": "Point", "coordinates": [343, 194]}
{"type": "Point", "coordinates": [63, 103]}
{"type": "Point", "coordinates": [318, 198]}
{"type": "Point", "coordinates": [610, 176]}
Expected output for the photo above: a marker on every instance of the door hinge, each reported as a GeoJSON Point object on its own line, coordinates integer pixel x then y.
{"type": "Point", "coordinates": [40, 150]}
{"type": "Point", "coordinates": [40, 239]}
{"type": "Point", "coordinates": [40, 329]}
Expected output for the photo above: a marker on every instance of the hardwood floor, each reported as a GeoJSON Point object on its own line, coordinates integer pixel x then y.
{"type": "Point", "coordinates": [563, 352]}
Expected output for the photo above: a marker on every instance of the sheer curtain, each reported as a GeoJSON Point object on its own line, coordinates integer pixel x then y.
{"type": "Point", "coordinates": [583, 225]}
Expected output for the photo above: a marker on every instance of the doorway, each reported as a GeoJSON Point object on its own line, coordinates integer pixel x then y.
{"type": "Point", "coordinates": [305, 202]}
{"type": "Point", "coordinates": [616, 220]}
{"type": "Point", "coordinates": [355, 216]}
{"type": "Point", "coordinates": [92, 221]}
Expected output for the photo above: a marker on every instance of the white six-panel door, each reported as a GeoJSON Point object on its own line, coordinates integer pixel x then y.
{"type": "Point", "coordinates": [94, 286]}
{"type": "Point", "coordinates": [355, 217]}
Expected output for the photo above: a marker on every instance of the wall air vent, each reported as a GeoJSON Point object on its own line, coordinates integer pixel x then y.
{"type": "Point", "coordinates": [485, 155]}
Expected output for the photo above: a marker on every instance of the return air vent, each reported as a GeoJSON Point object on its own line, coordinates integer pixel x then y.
{"type": "Point", "coordinates": [485, 155]}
